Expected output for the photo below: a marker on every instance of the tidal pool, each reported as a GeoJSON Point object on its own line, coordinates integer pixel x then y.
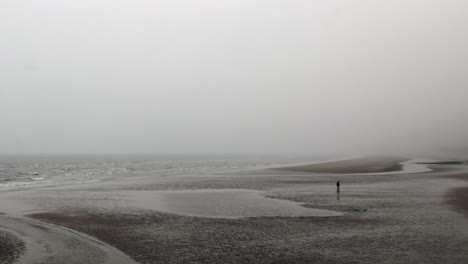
{"type": "Point", "coordinates": [222, 203]}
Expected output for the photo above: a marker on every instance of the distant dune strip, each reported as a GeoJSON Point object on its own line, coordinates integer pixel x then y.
{"type": "Point", "coordinates": [361, 165]}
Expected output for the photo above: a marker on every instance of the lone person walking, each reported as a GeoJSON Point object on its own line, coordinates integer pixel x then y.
{"type": "Point", "coordinates": [338, 186]}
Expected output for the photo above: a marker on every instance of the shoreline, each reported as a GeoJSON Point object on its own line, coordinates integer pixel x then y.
{"type": "Point", "coordinates": [378, 213]}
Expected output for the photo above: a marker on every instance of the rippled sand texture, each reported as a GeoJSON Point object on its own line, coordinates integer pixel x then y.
{"type": "Point", "coordinates": [11, 247]}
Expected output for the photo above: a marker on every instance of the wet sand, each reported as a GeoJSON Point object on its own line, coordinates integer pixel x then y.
{"type": "Point", "coordinates": [11, 247]}
{"type": "Point", "coordinates": [45, 243]}
{"type": "Point", "coordinates": [385, 218]}
{"type": "Point", "coordinates": [458, 197]}
{"type": "Point", "coordinates": [383, 223]}
{"type": "Point", "coordinates": [163, 238]}
{"type": "Point", "coordinates": [362, 165]}
{"type": "Point", "coordinates": [222, 203]}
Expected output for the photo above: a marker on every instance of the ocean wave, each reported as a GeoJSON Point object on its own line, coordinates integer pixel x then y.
{"type": "Point", "coordinates": [12, 184]}
{"type": "Point", "coordinates": [37, 178]}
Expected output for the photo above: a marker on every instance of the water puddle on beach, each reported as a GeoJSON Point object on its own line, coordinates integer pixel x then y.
{"type": "Point", "coordinates": [222, 203]}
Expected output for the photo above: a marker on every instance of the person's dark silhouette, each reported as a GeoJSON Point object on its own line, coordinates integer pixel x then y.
{"type": "Point", "coordinates": [338, 186]}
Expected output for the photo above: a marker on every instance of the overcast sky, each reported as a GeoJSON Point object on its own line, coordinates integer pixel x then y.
{"type": "Point", "coordinates": [239, 76]}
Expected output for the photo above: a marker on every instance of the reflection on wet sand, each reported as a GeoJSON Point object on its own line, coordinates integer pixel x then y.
{"type": "Point", "coordinates": [222, 203]}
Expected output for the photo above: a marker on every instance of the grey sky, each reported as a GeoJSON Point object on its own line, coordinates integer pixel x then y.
{"type": "Point", "coordinates": [233, 76]}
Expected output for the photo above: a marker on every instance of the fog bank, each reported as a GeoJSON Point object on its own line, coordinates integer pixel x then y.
{"type": "Point", "coordinates": [180, 76]}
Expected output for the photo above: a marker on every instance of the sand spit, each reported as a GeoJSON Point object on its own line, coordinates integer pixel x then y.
{"type": "Point", "coordinates": [361, 165]}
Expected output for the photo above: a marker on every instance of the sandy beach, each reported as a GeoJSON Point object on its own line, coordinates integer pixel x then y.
{"type": "Point", "coordinates": [381, 218]}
